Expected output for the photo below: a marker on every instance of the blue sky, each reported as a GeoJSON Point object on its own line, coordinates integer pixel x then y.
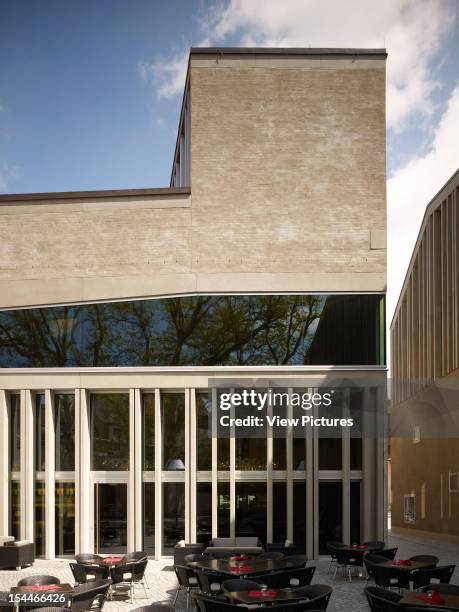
{"type": "Point", "coordinates": [90, 90]}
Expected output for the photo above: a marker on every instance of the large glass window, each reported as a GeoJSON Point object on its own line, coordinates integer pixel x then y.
{"type": "Point", "coordinates": [15, 433]}
{"type": "Point", "coordinates": [39, 518]}
{"type": "Point", "coordinates": [204, 512]}
{"type": "Point", "coordinates": [173, 421]}
{"type": "Point", "coordinates": [15, 515]}
{"type": "Point", "coordinates": [64, 420]}
{"type": "Point", "coordinates": [330, 514]}
{"type": "Point", "coordinates": [110, 510]}
{"type": "Point", "coordinates": [223, 509]}
{"type": "Point", "coordinates": [279, 512]}
{"type": "Point", "coordinates": [148, 401]}
{"type": "Point", "coordinates": [39, 432]}
{"type": "Point", "coordinates": [279, 454]}
{"type": "Point", "coordinates": [204, 441]}
{"type": "Point", "coordinates": [199, 330]}
{"type": "Point", "coordinates": [149, 518]}
{"type": "Point", "coordinates": [251, 509]}
{"type": "Point", "coordinates": [299, 453]}
{"type": "Point", "coordinates": [251, 454]}
{"type": "Point", "coordinates": [109, 414]}
{"type": "Point", "coordinates": [65, 518]}
{"type": "Point", "coordinates": [173, 515]}
{"type": "Point", "coordinates": [299, 515]}
{"type": "Point", "coordinates": [330, 453]}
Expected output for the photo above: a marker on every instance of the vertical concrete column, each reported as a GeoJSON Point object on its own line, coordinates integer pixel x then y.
{"type": "Point", "coordinates": [381, 471]}
{"type": "Point", "coordinates": [187, 465]}
{"type": "Point", "coordinates": [289, 448]}
{"type": "Point", "coordinates": [315, 485]}
{"type": "Point", "coordinates": [192, 468]}
{"type": "Point", "coordinates": [232, 477]}
{"type": "Point", "coordinates": [27, 467]}
{"type": "Point", "coordinates": [50, 498]}
{"type": "Point", "coordinates": [309, 467]}
{"type": "Point", "coordinates": [269, 479]}
{"type": "Point", "coordinates": [83, 491]}
{"type": "Point", "coordinates": [346, 469]}
{"type": "Point", "coordinates": [4, 464]}
{"type": "Point", "coordinates": [158, 479]}
{"type": "Point", "coordinates": [134, 510]}
{"type": "Point", "coordinates": [214, 465]}
{"type": "Point", "coordinates": [368, 444]}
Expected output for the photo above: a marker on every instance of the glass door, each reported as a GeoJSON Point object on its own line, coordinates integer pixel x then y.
{"type": "Point", "coordinates": [110, 506]}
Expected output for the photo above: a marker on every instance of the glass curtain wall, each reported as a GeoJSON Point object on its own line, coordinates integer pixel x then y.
{"type": "Point", "coordinates": [64, 427]}
{"type": "Point", "coordinates": [15, 463]}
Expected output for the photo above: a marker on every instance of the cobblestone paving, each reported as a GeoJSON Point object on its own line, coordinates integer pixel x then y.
{"type": "Point", "coordinates": [347, 596]}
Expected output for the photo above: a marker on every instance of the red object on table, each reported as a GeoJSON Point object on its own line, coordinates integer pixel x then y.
{"type": "Point", "coordinates": [44, 587]}
{"type": "Point", "coordinates": [270, 593]}
{"type": "Point", "coordinates": [401, 562]}
{"type": "Point", "coordinates": [241, 569]}
{"type": "Point", "coordinates": [432, 597]}
{"type": "Point", "coordinates": [240, 558]}
{"type": "Point", "coordinates": [112, 559]}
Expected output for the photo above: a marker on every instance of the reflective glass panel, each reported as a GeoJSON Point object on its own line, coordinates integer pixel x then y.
{"type": "Point", "coordinates": [39, 424]}
{"type": "Point", "coordinates": [251, 510]}
{"type": "Point", "coordinates": [204, 441]}
{"type": "Point", "coordinates": [110, 507]}
{"type": "Point", "coordinates": [39, 519]}
{"type": "Point", "coordinates": [148, 401]}
{"type": "Point", "coordinates": [173, 515]}
{"type": "Point", "coordinates": [149, 518]}
{"type": "Point", "coordinates": [279, 454]}
{"type": "Point", "coordinates": [15, 433]}
{"type": "Point", "coordinates": [199, 330]}
{"type": "Point", "coordinates": [279, 512]}
{"type": "Point", "coordinates": [299, 453]}
{"type": "Point", "coordinates": [251, 454]}
{"type": "Point", "coordinates": [204, 512]}
{"type": "Point", "coordinates": [299, 515]}
{"type": "Point", "coordinates": [173, 421]}
{"type": "Point", "coordinates": [64, 420]}
{"type": "Point", "coordinates": [330, 453]}
{"type": "Point", "coordinates": [15, 516]}
{"type": "Point", "coordinates": [109, 414]}
{"type": "Point", "coordinates": [330, 514]}
{"type": "Point", "coordinates": [223, 510]}
{"type": "Point", "coordinates": [65, 518]}
{"type": "Point", "coordinates": [355, 512]}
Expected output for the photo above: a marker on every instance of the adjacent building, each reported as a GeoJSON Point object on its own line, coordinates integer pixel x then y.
{"type": "Point", "coordinates": [425, 368]}
{"type": "Point", "coordinates": [265, 258]}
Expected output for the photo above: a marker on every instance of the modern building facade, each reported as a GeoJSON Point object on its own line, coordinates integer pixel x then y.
{"type": "Point", "coordinates": [425, 366]}
{"type": "Point", "coordinates": [266, 258]}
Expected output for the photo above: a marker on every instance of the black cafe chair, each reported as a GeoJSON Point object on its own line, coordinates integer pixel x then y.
{"type": "Point", "coordinates": [382, 600]}
{"type": "Point", "coordinates": [297, 560]}
{"type": "Point", "coordinates": [331, 547]}
{"type": "Point", "coordinates": [317, 596]}
{"type": "Point", "coordinates": [423, 577]}
{"type": "Point", "coordinates": [238, 584]}
{"type": "Point", "coordinates": [88, 596]}
{"type": "Point", "coordinates": [38, 580]}
{"type": "Point", "coordinates": [348, 559]}
{"type": "Point", "coordinates": [83, 573]}
{"type": "Point", "coordinates": [388, 553]}
{"type": "Point", "coordinates": [293, 578]}
{"type": "Point", "coordinates": [187, 579]}
{"type": "Point", "coordinates": [391, 577]}
{"type": "Point", "coordinates": [193, 557]}
{"type": "Point", "coordinates": [208, 603]}
{"type": "Point", "coordinates": [369, 560]}
{"type": "Point", "coordinates": [88, 558]}
{"type": "Point", "coordinates": [375, 545]}
{"type": "Point", "coordinates": [444, 589]}
{"type": "Point", "coordinates": [137, 555]}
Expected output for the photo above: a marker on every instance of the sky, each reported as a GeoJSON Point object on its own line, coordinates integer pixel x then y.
{"type": "Point", "coordinates": [90, 90]}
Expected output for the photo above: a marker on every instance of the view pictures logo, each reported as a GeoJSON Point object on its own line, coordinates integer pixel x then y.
{"type": "Point", "coordinates": [260, 400]}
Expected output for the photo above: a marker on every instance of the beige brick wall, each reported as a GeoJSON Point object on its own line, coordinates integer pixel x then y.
{"type": "Point", "coordinates": [288, 184]}
{"type": "Point", "coordinates": [288, 167]}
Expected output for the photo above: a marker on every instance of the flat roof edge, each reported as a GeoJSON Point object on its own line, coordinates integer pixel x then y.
{"type": "Point", "coordinates": [102, 193]}
{"type": "Point", "coordinates": [306, 51]}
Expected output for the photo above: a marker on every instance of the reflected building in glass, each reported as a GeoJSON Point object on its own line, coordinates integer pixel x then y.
{"type": "Point", "coordinates": [264, 259]}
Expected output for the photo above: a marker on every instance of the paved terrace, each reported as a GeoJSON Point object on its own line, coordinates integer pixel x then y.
{"type": "Point", "coordinates": [346, 597]}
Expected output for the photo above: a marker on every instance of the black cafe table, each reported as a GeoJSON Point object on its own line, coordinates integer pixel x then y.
{"type": "Point", "coordinates": [415, 598]}
{"type": "Point", "coordinates": [247, 567]}
{"type": "Point", "coordinates": [265, 596]}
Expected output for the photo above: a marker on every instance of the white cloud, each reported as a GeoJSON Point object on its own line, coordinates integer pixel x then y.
{"type": "Point", "coordinates": [8, 173]}
{"type": "Point", "coordinates": [411, 30]}
{"type": "Point", "coordinates": [169, 76]}
{"type": "Point", "coordinates": [411, 189]}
